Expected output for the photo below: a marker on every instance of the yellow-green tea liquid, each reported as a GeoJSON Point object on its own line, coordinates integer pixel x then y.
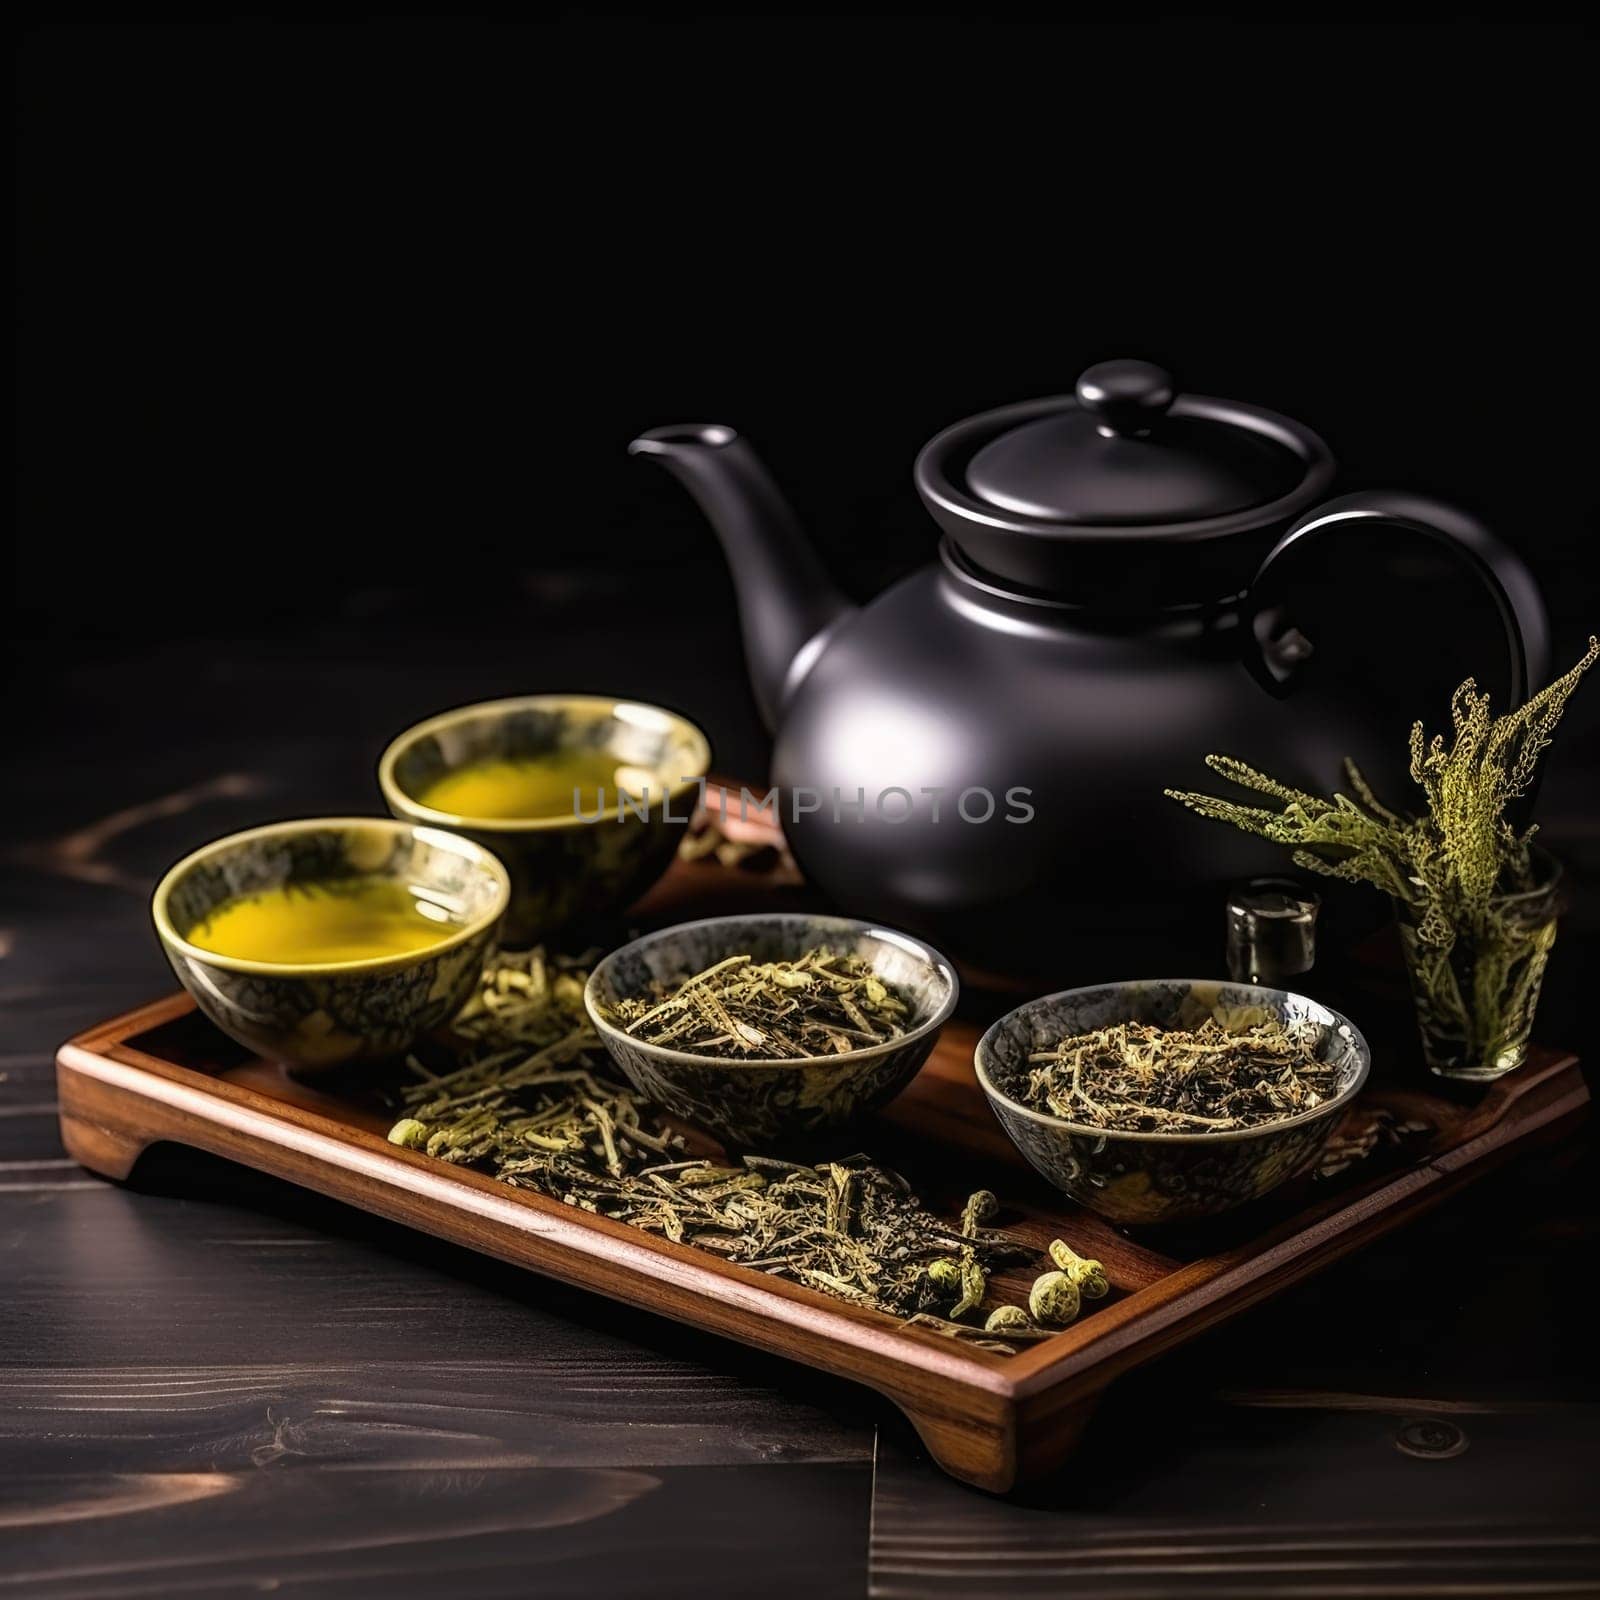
{"type": "Point", "coordinates": [354, 919]}
{"type": "Point", "coordinates": [512, 790]}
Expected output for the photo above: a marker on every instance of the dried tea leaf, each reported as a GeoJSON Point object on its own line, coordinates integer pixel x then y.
{"type": "Point", "coordinates": [822, 1004]}
{"type": "Point", "coordinates": [1139, 1078]}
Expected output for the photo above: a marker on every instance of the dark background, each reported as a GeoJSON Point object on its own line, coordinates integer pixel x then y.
{"type": "Point", "coordinates": [323, 320]}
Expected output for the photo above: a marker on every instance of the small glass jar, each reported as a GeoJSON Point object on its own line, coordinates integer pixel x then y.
{"type": "Point", "coordinates": [1272, 930]}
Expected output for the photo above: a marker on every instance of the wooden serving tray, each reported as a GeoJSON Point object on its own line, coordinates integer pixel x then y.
{"type": "Point", "coordinates": [164, 1073]}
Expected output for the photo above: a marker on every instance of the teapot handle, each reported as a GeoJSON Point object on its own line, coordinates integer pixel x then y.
{"type": "Point", "coordinates": [1277, 651]}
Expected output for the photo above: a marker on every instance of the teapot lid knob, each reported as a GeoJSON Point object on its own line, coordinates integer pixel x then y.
{"type": "Point", "coordinates": [1125, 398]}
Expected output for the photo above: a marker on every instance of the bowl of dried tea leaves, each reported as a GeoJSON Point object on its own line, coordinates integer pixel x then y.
{"type": "Point", "coordinates": [764, 1028]}
{"type": "Point", "coordinates": [1170, 1098]}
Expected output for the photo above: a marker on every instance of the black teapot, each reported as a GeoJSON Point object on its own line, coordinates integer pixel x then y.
{"type": "Point", "coordinates": [1129, 579]}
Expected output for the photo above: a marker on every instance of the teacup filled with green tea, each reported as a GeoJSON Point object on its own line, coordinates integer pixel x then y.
{"type": "Point", "coordinates": [332, 940]}
{"type": "Point", "coordinates": [566, 783]}
{"type": "Point", "coordinates": [583, 797]}
{"type": "Point", "coordinates": [315, 924]}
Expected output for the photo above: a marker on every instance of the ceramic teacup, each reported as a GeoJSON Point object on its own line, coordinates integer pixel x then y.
{"type": "Point", "coordinates": [325, 1014]}
{"type": "Point", "coordinates": [570, 866]}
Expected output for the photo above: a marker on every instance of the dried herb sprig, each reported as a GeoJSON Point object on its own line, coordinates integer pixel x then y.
{"type": "Point", "coordinates": [824, 1003]}
{"type": "Point", "coordinates": [1476, 964]}
{"type": "Point", "coordinates": [1088, 1275]}
{"type": "Point", "coordinates": [1452, 859]}
{"type": "Point", "coordinates": [1138, 1078]}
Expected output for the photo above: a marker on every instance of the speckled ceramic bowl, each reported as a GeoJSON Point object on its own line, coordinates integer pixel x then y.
{"type": "Point", "coordinates": [323, 1014]}
{"type": "Point", "coordinates": [765, 1102]}
{"type": "Point", "coordinates": [1161, 1177]}
{"type": "Point", "coordinates": [561, 867]}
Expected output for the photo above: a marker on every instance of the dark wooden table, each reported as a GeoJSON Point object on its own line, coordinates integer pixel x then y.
{"type": "Point", "coordinates": [215, 1384]}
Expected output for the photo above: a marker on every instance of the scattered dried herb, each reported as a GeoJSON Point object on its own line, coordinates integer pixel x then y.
{"type": "Point", "coordinates": [822, 1004]}
{"type": "Point", "coordinates": [532, 1101]}
{"type": "Point", "coordinates": [705, 839]}
{"type": "Point", "coordinates": [532, 999]}
{"type": "Point", "coordinates": [1362, 1133]}
{"type": "Point", "coordinates": [1138, 1078]}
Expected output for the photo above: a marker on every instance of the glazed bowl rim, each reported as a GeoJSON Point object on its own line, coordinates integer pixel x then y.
{"type": "Point", "coordinates": [920, 948]}
{"type": "Point", "coordinates": [1198, 1140]}
{"type": "Point", "coordinates": [479, 855]}
{"type": "Point", "coordinates": [415, 810]}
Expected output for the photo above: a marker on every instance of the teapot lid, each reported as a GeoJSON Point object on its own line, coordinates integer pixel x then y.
{"type": "Point", "coordinates": [1046, 492]}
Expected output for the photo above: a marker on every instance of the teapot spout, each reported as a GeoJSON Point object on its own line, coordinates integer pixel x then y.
{"type": "Point", "coordinates": [786, 601]}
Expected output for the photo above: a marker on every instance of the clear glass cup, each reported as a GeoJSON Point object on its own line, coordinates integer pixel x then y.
{"type": "Point", "coordinates": [1475, 1001]}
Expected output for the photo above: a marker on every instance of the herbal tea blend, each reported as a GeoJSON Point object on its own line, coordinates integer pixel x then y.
{"type": "Point", "coordinates": [1139, 1078]}
{"type": "Point", "coordinates": [534, 1104]}
{"type": "Point", "coordinates": [822, 1004]}
{"type": "Point", "coordinates": [350, 919]}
